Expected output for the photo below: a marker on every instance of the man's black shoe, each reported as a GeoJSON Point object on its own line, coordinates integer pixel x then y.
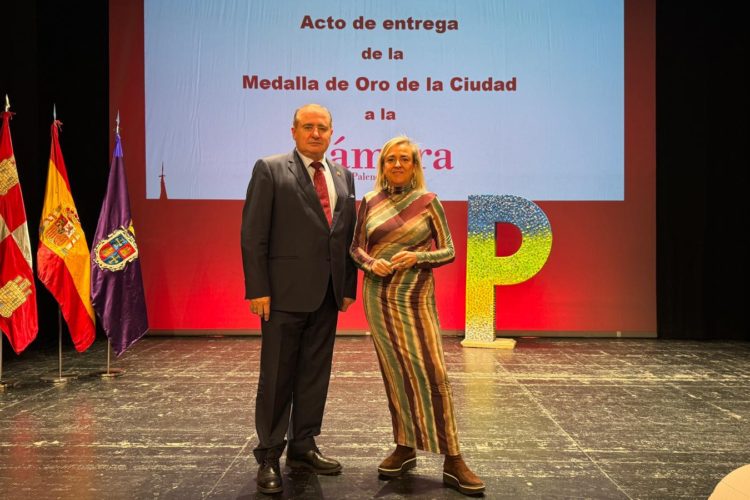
{"type": "Point", "coordinates": [269, 476]}
{"type": "Point", "coordinates": [313, 461]}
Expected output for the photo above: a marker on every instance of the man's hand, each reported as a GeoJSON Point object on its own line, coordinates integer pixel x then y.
{"type": "Point", "coordinates": [262, 307]}
{"type": "Point", "coordinates": [346, 304]}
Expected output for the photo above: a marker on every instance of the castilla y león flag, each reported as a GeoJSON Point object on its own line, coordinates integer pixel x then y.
{"type": "Point", "coordinates": [116, 282]}
{"type": "Point", "coordinates": [18, 316]}
{"type": "Point", "coordinates": [63, 254]}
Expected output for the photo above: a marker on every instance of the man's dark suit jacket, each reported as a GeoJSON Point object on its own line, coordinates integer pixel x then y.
{"type": "Point", "coordinates": [288, 251]}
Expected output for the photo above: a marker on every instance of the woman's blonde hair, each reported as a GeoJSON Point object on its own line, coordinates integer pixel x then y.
{"type": "Point", "coordinates": [418, 182]}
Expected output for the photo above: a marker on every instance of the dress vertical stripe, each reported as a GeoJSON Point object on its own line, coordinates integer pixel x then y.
{"type": "Point", "coordinates": [400, 309]}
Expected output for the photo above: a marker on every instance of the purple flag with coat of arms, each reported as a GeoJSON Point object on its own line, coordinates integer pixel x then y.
{"type": "Point", "coordinates": [116, 283]}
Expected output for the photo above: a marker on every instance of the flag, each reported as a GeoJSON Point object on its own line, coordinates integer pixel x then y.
{"type": "Point", "coordinates": [63, 254]}
{"type": "Point", "coordinates": [116, 283]}
{"type": "Point", "coordinates": [18, 316]}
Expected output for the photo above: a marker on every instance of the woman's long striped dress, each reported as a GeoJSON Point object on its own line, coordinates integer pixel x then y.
{"type": "Point", "coordinates": [401, 311]}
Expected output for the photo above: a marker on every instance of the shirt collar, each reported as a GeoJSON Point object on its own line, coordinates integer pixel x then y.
{"type": "Point", "coordinates": [307, 161]}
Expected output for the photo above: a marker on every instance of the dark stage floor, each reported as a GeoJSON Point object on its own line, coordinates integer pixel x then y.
{"type": "Point", "coordinates": [555, 418]}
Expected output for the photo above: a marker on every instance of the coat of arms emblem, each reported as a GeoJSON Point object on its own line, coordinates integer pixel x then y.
{"type": "Point", "coordinates": [116, 250]}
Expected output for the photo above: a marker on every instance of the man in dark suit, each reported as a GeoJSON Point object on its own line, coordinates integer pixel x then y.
{"type": "Point", "coordinates": [297, 226]}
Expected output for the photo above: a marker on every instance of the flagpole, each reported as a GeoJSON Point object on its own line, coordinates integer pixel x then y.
{"type": "Point", "coordinates": [59, 342]}
{"type": "Point", "coordinates": [109, 372]}
{"type": "Point", "coordinates": [61, 377]}
{"type": "Point", "coordinates": [4, 382]}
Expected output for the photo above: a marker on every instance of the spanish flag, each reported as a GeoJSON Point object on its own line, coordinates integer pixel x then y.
{"type": "Point", "coordinates": [63, 254]}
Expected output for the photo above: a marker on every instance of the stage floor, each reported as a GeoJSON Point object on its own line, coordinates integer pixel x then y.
{"type": "Point", "coordinates": [554, 418]}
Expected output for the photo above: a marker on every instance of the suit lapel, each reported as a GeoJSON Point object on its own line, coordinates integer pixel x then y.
{"type": "Point", "coordinates": [342, 191]}
{"type": "Point", "coordinates": [298, 169]}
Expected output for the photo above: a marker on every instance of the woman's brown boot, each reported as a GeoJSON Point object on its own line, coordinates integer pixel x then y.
{"type": "Point", "coordinates": [400, 461]}
{"type": "Point", "coordinates": [457, 475]}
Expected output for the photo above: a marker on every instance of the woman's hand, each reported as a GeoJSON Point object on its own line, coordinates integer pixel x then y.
{"type": "Point", "coordinates": [403, 260]}
{"type": "Point", "coordinates": [382, 267]}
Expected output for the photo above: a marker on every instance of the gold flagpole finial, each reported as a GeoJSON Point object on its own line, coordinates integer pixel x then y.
{"type": "Point", "coordinates": [7, 103]}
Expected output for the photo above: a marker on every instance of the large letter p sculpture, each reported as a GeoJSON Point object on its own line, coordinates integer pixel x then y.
{"type": "Point", "coordinates": [484, 270]}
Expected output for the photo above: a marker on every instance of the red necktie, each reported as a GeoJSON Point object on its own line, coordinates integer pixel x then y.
{"type": "Point", "coordinates": [321, 187]}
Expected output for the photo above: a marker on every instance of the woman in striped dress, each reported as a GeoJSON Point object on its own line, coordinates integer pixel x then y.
{"type": "Point", "coordinates": [397, 225]}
